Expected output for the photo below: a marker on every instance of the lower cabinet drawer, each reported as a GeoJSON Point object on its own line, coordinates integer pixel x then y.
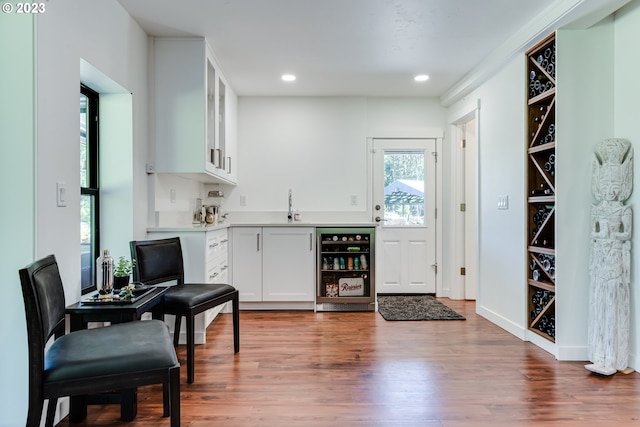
{"type": "Point", "coordinates": [218, 270]}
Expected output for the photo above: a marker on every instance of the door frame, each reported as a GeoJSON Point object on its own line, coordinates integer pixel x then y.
{"type": "Point", "coordinates": [422, 133]}
{"type": "Point", "coordinates": [464, 248]}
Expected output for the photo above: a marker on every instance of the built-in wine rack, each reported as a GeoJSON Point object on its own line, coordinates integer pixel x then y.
{"type": "Point", "coordinates": [541, 152]}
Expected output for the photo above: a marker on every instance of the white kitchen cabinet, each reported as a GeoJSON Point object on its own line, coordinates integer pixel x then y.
{"type": "Point", "coordinates": [195, 112]}
{"type": "Point", "coordinates": [246, 262]}
{"type": "Point", "coordinates": [230, 130]}
{"type": "Point", "coordinates": [205, 255]}
{"type": "Point", "coordinates": [217, 264]}
{"type": "Point", "coordinates": [274, 266]}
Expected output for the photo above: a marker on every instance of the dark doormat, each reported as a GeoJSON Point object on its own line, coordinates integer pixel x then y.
{"type": "Point", "coordinates": [414, 307]}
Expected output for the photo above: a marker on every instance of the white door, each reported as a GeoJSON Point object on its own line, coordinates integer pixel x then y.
{"type": "Point", "coordinates": [470, 152]}
{"type": "Point", "coordinates": [404, 188]}
{"type": "Point", "coordinates": [464, 208]}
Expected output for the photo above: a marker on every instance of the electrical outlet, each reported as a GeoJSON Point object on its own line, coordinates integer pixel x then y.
{"type": "Point", "coordinates": [172, 195]}
{"type": "Point", "coordinates": [243, 200]}
{"type": "Point", "coordinates": [354, 200]}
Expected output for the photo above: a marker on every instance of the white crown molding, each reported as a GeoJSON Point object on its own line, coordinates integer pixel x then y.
{"type": "Point", "coordinates": [570, 13]}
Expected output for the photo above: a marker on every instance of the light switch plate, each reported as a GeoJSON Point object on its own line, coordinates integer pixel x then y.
{"type": "Point", "coordinates": [503, 202]}
{"type": "Point", "coordinates": [61, 194]}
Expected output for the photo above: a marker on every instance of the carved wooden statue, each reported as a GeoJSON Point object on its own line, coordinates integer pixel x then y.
{"type": "Point", "coordinates": [609, 264]}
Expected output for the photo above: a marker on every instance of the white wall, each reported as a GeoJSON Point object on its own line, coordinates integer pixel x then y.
{"type": "Point", "coordinates": [501, 171]}
{"type": "Point", "coordinates": [626, 125]}
{"type": "Point", "coordinates": [17, 185]}
{"type": "Point", "coordinates": [117, 47]}
{"type": "Point", "coordinates": [584, 117]}
{"type": "Point", "coordinates": [315, 146]}
{"type": "Point", "coordinates": [40, 146]}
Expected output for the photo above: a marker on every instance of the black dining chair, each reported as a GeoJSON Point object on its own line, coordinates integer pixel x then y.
{"type": "Point", "coordinates": [160, 261]}
{"type": "Point", "coordinates": [114, 358]}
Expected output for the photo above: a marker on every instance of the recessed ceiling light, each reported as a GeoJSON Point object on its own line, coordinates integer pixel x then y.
{"type": "Point", "coordinates": [421, 78]}
{"type": "Point", "coordinates": [288, 77]}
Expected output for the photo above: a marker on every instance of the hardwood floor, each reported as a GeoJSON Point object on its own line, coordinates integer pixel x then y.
{"type": "Point", "coordinates": [356, 369]}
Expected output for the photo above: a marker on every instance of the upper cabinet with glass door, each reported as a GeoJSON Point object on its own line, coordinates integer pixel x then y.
{"type": "Point", "coordinates": [195, 112]}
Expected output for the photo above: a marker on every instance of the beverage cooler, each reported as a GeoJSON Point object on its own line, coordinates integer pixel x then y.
{"type": "Point", "coordinates": [346, 268]}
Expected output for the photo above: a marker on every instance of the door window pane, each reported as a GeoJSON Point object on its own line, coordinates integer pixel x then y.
{"type": "Point", "coordinates": [404, 188]}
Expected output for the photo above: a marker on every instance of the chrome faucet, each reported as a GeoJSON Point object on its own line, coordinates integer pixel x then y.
{"type": "Point", "coordinates": [290, 213]}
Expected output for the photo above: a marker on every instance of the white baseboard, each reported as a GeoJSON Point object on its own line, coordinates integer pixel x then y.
{"type": "Point", "coordinates": [277, 305]}
{"type": "Point", "coordinates": [502, 322]}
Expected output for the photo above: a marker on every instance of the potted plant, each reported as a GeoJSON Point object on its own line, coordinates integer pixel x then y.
{"type": "Point", "coordinates": [122, 271]}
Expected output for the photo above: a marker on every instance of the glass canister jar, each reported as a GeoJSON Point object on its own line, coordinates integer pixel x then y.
{"type": "Point", "coordinates": [104, 272]}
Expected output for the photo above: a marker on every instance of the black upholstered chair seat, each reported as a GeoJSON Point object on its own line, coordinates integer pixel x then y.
{"type": "Point", "coordinates": [135, 347]}
{"type": "Point", "coordinates": [191, 295]}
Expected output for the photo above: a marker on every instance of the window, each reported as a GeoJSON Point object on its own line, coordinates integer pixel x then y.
{"type": "Point", "coordinates": [89, 187]}
{"type": "Point", "coordinates": [404, 187]}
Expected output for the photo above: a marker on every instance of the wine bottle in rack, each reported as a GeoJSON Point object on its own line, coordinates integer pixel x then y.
{"type": "Point", "coordinates": [542, 190]}
{"type": "Point", "coordinates": [550, 164]}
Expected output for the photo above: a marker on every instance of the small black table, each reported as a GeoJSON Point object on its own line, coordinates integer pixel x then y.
{"type": "Point", "coordinates": [80, 314]}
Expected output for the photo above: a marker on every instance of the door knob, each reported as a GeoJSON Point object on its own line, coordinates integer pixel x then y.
{"type": "Point", "coordinates": [378, 219]}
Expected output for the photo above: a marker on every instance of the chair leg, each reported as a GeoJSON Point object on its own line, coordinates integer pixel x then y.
{"type": "Point", "coordinates": [176, 330]}
{"type": "Point", "coordinates": [236, 323]}
{"type": "Point", "coordinates": [51, 413]}
{"type": "Point", "coordinates": [34, 413]}
{"type": "Point", "coordinates": [190, 347]}
{"type": "Point", "coordinates": [77, 408]}
{"type": "Point", "coordinates": [128, 404]}
{"type": "Point", "coordinates": [174, 390]}
{"type": "Point", "coordinates": [166, 398]}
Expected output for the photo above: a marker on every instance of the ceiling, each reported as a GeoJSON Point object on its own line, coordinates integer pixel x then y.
{"type": "Point", "coordinates": [341, 47]}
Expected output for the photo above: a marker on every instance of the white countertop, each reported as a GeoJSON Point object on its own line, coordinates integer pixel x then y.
{"type": "Point", "coordinates": [183, 229]}
{"type": "Point", "coordinates": [178, 229]}
{"type": "Point", "coordinates": [302, 224]}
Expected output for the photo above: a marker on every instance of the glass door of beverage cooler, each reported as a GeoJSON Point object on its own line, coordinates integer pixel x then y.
{"type": "Point", "coordinates": [346, 259]}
